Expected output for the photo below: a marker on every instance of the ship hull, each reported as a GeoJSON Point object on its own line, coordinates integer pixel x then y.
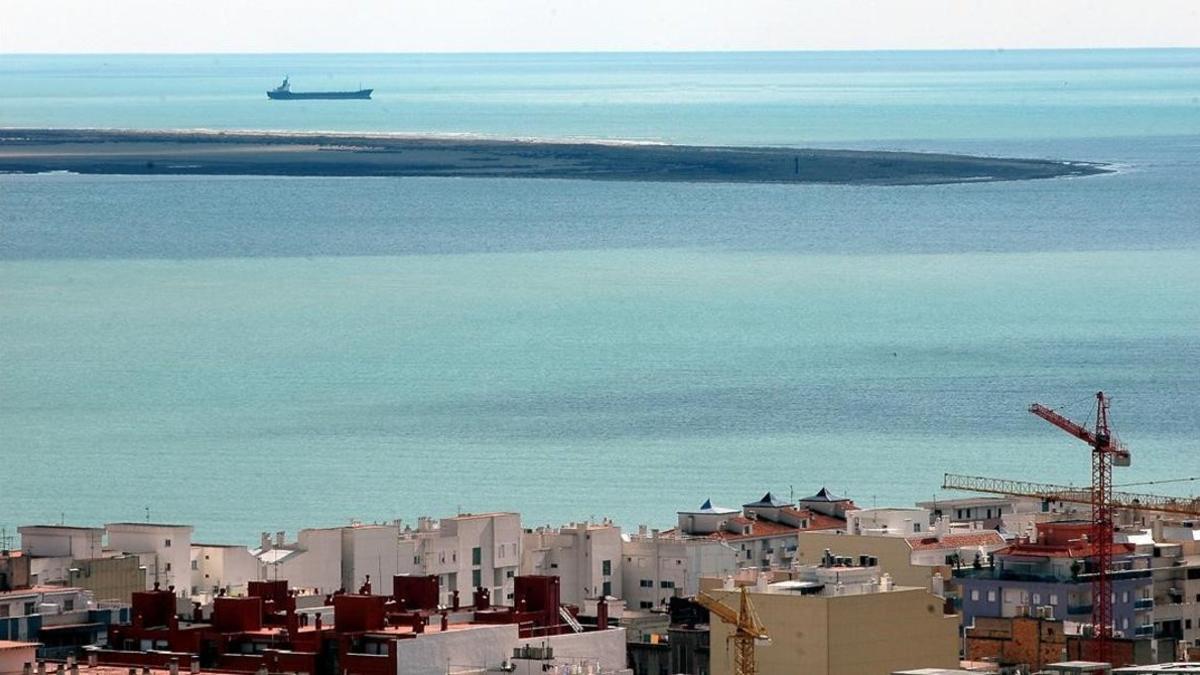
{"type": "Point", "coordinates": [322, 95]}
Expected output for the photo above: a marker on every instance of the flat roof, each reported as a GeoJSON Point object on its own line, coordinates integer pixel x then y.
{"type": "Point", "coordinates": [13, 644]}
{"type": "Point", "coordinates": [132, 524]}
{"type": "Point", "coordinates": [81, 528]}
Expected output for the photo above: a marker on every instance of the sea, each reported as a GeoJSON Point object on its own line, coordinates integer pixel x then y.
{"type": "Point", "coordinates": [251, 354]}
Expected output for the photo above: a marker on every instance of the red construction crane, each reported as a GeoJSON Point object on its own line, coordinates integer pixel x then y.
{"type": "Point", "coordinates": [1106, 451]}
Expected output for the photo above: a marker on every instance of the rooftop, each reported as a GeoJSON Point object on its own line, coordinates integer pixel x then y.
{"type": "Point", "coordinates": [824, 495]}
{"type": "Point", "coordinates": [708, 508]}
{"type": "Point", "coordinates": [767, 501]}
{"type": "Point", "coordinates": [148, 525]}
{"type": "Point", "coordinates": [967, 540]}
{"type": "Point", "coordinates": [13, 644]}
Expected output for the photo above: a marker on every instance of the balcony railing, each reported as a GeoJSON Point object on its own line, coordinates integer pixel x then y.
{"type": "Point", "coordinates": [1146, 630]}
{"type": "Point", "coordinates": [1143, 603]}
{"type": "Point", "coordinates": [1079, 609]}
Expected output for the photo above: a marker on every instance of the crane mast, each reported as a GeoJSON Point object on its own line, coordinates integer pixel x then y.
{"type": "Point", "coordinates": [1105, 450]}
{"type": "Point", "coordinates": [748, 629]}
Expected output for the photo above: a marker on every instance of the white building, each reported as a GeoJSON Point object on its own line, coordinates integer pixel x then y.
{"type": "Point", "coordinates": [165, 551]}
{"type": "Point", "coordinates": [889, 522]}
{"type": "Point", "coordinates": [52, 549]}
{"type": "Point", "coordinates": [221, 567]}
{"type": "Point", "coordinates": [464, 551]}
{"type": "Point", "coordinates": [470, 551]}
{"type": "Point", "coordinates": [585, 556]}
{"type": "Point", "coordinates": [312, 563]}
{"type": "Point", "coordinates": [715, 541]}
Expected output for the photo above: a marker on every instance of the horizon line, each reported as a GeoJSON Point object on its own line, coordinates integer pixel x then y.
{"type": "Point", "coordinates": [613, 51]}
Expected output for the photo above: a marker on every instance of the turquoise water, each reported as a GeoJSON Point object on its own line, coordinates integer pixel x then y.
{"type": "Point", "coordinates": [270, 353]}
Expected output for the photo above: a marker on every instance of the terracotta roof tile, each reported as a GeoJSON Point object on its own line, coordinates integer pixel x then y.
{"type": "Point", "coordinates": [971, 539]}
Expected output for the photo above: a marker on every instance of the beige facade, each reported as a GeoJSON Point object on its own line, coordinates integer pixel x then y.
{"type": "Point", "coordinates": [855, 634]}
{"type": "Point", "coordinates": [115, 578]}
{"type": "Point", "coordinates": [894, 554]}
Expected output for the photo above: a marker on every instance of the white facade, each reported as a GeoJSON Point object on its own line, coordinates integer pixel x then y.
{"type": "Point", "coordinates": [219, 567]}
{"type": "Point", "coordinates": [482, 648]}
{"type": "Point", "coordinates": [891, 522]}
{"type": "Point", "coordinates": [165, 550]}
{"type": "Point", "coordinates": [463, 551]}
{"type": "Point", "coordinates": [52, 549]}
{"type": "Point", "coordinates": [60, 541]}
{"type": "Point", "coordinates": [656, 567]}
{"type": "Point", "coordinates": [375, 551]}
{"type": "Point", "coordinates": [312, 563]}
{"type": "Point", "coordinates": [586, 557]}
{"type": "Point", "coordinates": [471, 550]}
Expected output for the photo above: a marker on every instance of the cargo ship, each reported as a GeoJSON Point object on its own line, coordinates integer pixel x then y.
{"type": "Point", "coordinates": [284, 93]}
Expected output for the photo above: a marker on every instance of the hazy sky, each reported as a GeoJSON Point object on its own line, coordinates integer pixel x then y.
{"type": "Point", "coordinates": [588, 25]}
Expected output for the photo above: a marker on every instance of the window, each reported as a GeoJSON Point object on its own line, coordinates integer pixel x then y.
{"type": "Point", "coordinates": [991, 596]}
{"type": "Point", "coordinates": [509, 574]}
{"type": "Point", "coordinates": [975, 595]}
{"type": "Point", "coordinates": [476, 578]}
{"type": "Point", "coordinates": [1125, 623]}
{"type": "Point", "coordinates": [1187, 623]}
{"type": "Point", "coordinates": [606, 568]}
{"type": "Point", "coordinates": [1054, 598]}
{"type": "Point", "coordinates": [477, 556]}
{"type": "Point", "coordinates": [646, 583]}
{"type": "Point", "coordinates": [29, 607]}
{"type": "Point", "coordinates": [667, 584]}
{"type": "Point", "coordinates": [168, 567]}
{"type": "Point", "coordinates": [1125, 596]}
{"type": "Point", "coordinates": [553, 566]}
{"type": "Point", "coordinates": [69, 604]}
{"type": "Point", "coordinates": [3, 611]}
{"type": "Point", "coordinates": [646, 604]}
{"type": "Point", "coordinates": [607, 589]}
{"type": "Point", "coordinates": [916, 527]}
{"type": "Point", "coordinates": [1037, 598]}
{"type": "Point", "coordinates": [166, 543]}
{"type": "Point", "coordinates": [196, 564]}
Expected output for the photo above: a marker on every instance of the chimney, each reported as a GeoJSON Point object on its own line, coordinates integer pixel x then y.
{"type": "Point", "coordinates": [27, 669]}
{"type": "Point", "coordinates": [279, 539]}
{"type": "Point", "coordinates": [59, 669]}
{"type": "Point", "coordinates": [317, 621]}
{"type": "Point", "coordinates": [265, 541]}
{"type": "Point", "coordinates": [195, 666]}
{"type": "Point", "coordinates": [454, 599]}
{"type": "Point", "coordinates": [41, 668]}
{"type": "Point", "coordinates": [173, 666]}
{"type": "Point", "coordinates": [133, 671]}
{"type": "Point", "coordinates": [602, 614]}
{"type": "Point", "coordinates": [93, 660]}
{"type": "Point", "coordinates": [445, 622]}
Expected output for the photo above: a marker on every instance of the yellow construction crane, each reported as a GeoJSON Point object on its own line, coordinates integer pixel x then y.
{"type": "Point", "coordinates": [747, 629]}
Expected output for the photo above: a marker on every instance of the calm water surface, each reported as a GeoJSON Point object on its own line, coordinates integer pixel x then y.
{"type": "Point", "coordinates": [267, 353]}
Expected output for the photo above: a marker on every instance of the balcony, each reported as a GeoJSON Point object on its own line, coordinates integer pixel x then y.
{"type": "Point", "coordinates": [1076, 610]}
{"type": "Point", "coordinates": [1142, 604]}
{"type": "Point", "coordinates": [1146, 630]}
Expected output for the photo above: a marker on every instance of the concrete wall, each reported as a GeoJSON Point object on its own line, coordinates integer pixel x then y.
{"type": "Point", "coordinates": [894, 554]}
{"type": "Point", "coordinates": [62, 541]}
{"type": "Point", "coordinates": [166, 550]}
{"type": "Point", "coordinates": [109, 578]}
{"type": "Point", "coordinates": [678, 562]}
{"type": "Point", "coordinates": [576, 555]}
{"type": "Point", "coordinates": [14, 657]}
{"type": "Point", "coordinates": [844, 635]}
{"type": "Point", "coordinates": [224, 567]}
{"type": "Point", "coordinates": [475, 648]}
